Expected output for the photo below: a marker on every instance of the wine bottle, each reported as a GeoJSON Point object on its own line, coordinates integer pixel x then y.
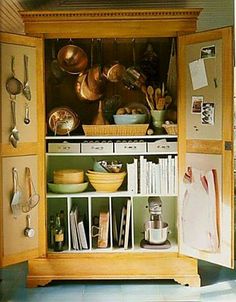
{"type": "Point", "coordinates": [59, 235]}
{"type": "Point", "coordinates": [62, 219]}
{"type": "Point", "coordinates": [51, 230]}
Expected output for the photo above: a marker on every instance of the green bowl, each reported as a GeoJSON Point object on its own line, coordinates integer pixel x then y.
{"type": "Point", "coordinates": [67, 188]}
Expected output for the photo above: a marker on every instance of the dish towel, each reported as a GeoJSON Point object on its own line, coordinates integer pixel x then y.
{"type": "Point", "coordinates": [199, 213]}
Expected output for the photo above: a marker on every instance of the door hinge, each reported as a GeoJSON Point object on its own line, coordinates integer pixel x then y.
{"type": "Point", "coordinates": [228, 146]}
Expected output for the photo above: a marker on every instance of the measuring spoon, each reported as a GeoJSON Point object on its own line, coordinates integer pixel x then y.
{"type": "Point", "coordinates": [13, 85]}
{"type": "Point", "coordinates": [27, 114]}
{"type": "Point", "coordinates": [28, 231]}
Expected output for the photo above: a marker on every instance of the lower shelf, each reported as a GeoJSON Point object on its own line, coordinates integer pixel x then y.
{"type": "Point", "coordinates": [106, 266]}
{"type": "Point", "coordinates": [136, 248]}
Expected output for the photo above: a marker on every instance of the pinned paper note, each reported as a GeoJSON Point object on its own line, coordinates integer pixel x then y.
{"type": "Point", "coordinates": [198, 74]}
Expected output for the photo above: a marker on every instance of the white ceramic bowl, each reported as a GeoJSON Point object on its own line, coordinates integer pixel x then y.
{"type": "Point", "coordinates": [122, 119]}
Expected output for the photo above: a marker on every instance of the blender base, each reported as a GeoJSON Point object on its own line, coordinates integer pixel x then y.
{"type": "Point", "coordinates": [146, 245]}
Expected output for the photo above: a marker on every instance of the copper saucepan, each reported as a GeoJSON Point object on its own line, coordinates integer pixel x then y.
{"type": "Point", "coordinates": [90, 85]}
{"type": "Point", "coordinates": [72, 59]}
{"type": "Point", "coordinates": [83, 90]}
{"type": "Point", "coordinates": [95, 78]}
{"type": "Point", "coordinates": [133, 78]}
{"type": "Point", "coordinates": [115, 71]}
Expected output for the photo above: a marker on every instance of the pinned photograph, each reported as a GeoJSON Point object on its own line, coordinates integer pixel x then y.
{"type": "Point", "coordinates": [208, 114]}
{"type": "Point", "coordinates": [208, 52]}
{"type": "Point", "coordinates": [196, 104]}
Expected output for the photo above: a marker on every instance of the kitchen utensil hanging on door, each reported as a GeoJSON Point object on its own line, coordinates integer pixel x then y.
{"type": "Point", "coordinates": [33, 197]}
{"type": "Point", "coordinates": [14, 135]}
{"type": "Point", "coordinates": [17, 194]}
{"type": "Point", "coordinates": [29, 231]}
{"type": "Point", "coordinates": [26, 87]}
{"type": "Point", "coordinates": [13, 85]}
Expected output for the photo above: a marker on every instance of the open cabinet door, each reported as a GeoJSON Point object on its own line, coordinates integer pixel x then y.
{"type": "Point", "coordinates": [25, 151]}
{"type": "Point", "coordinates": [205, 119]}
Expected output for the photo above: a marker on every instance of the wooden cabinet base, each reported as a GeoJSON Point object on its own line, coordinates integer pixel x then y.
{"type": "Point", "coordinates": [127, 265]}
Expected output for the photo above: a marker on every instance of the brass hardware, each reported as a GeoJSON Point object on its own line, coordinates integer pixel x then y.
{"type": "Point", "coordinates": [228, 146]}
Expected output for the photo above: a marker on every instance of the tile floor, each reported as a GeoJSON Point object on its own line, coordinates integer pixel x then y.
{"type": "Point", "coordinates": [218, 285]}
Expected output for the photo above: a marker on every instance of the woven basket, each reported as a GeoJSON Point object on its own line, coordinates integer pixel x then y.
{"type": "Point", "coordinates": [115, 130]}
{"type": "Point", "coordinates": [171, 129]}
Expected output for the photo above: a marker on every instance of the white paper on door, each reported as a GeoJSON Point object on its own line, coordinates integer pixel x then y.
{"type": "Point", "coordinates": [199, 218]}
{"type": "Point", "coordinates": [198, 74]}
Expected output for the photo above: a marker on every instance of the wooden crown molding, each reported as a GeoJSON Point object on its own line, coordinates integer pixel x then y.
{"type": "Point", "coordinates": [109, 14]}
{"type": "Point", "coordinates": [110, 22]}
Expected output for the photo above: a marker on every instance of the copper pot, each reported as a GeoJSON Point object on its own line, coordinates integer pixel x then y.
{"type": "Point", "coordinates": [115, 71]}
{"type": "Point", "coordinates": [83, 91]}
{"type": "Point", "coordinates": [72, 59]}
{"type": "Point", "coordinates": [95, 80]}
{"type": "Point", "coordinates": [62, 120]}
{"type": "Point", "coordinates": [133, 78]}
{"type": "Point", "coordinates": [90, 86]}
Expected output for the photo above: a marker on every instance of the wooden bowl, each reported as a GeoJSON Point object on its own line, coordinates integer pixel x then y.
{"type": "Point", "coordinates": [68, 176]}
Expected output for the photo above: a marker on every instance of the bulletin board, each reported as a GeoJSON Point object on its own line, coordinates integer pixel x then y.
{"type": "Point", "coordinates": [204, 93]}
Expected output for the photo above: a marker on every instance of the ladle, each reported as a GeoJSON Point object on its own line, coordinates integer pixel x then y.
{"type": "Point", "coordinates": [13, 85]}
{"type": "Point", "coordinates": [56, 70]}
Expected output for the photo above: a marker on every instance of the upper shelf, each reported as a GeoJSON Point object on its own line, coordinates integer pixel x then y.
{"type": "Point", "coordinates": [83, 137]}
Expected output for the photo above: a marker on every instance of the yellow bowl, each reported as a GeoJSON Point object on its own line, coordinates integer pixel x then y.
{"type": "Point", "coordinates": [106, 186]}
{"type": "Point", "coordinates": [105, 175]}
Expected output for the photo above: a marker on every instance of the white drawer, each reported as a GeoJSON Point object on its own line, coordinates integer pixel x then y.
{"type": "Point", "coordinates": [162, 146]}
{"type": "Point", "coordinates": [64, 147]}
{"type": "Point", "coordinates": [97, 147]}
{"type": "Point", "coordinates": [136, 147]}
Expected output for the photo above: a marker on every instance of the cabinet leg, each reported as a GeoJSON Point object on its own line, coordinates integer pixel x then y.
{"type": "Point", "coordinates": [32, 282]}
{"type": "Point", "coordinates": [193, 281]}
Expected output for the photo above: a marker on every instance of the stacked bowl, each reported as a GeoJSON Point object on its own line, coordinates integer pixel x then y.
{"type": "Point", "coordinates": [68, 181]}
{"type": "Point", "coordinates": [105, 181]}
